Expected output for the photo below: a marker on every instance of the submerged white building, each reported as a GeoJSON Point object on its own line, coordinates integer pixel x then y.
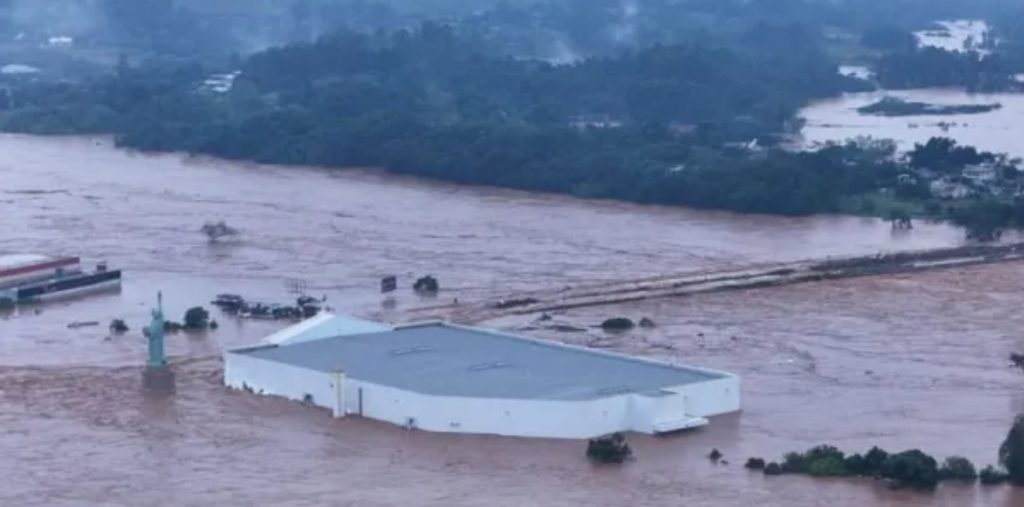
{"type": "Point", "coordinates": [448, 378]}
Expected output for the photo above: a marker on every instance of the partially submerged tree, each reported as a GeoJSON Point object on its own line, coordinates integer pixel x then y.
{"type": "Point", "coordinates": [197, 318]}
{"type": "Point", "coordinates": [958, 468]}
{"type": "Point", "coordinates": [609, 449]}
{"type": "Point", "coordinates": [1011, 453]}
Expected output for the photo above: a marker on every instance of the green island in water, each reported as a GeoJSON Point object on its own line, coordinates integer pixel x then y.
{"type": "Point", "coordinates": [891, 106]}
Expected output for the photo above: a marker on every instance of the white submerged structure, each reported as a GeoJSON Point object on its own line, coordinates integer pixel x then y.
{"type": "Point", "coordinates": [448, 378]}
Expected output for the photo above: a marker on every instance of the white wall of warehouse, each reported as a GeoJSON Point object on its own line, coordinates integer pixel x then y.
{"type": "Point", "coordinates": [499, 416]}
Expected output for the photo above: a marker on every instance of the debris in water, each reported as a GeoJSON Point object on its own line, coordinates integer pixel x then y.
{"type": "Point", "coordinates": [118, 326]}
{"type": "Point", "coordinates": [505, 304]}
{"type": "Point", "coordinates": [565, 328]}
{"type": "Point", "coordinates": [76, 325]}
{"type": "Point", "coordinates": [611, 449]}
{"type": "Point", "coordinates": [1017, 360]}
{"type": "Point", "coordinates": [755, 464]}
{"type": "Point", "coordinates": [304, 308]}
{"type": "Point", "coordinates": [617, 324]}
{"type": "Point", "coordinates": [427, 285]}
{"type": "Point", "coordinates": [216, 230]}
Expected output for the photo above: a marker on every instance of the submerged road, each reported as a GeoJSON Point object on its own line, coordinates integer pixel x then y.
{"type": "Point", "coordinates": [751, 277]}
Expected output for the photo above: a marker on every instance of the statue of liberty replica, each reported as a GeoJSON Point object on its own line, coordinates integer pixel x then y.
{"type": "Point", "coordinates": [157, 377]}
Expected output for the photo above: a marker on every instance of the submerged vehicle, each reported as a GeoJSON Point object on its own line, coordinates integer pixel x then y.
{"type": "Point", "coordinates": [29, 278]}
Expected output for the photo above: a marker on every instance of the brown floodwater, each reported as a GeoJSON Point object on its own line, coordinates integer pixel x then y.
{"type": "Point", "coordinates": [910, 361]}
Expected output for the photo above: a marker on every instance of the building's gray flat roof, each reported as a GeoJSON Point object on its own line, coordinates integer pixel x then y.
{"type": "Point", "coordinates": [457, 361]}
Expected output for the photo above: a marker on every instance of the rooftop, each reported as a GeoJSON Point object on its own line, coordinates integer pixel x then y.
{"type": "Point", "coordinates": [18, 260]}
{"type": "Point", "coordinates": [458, 361]}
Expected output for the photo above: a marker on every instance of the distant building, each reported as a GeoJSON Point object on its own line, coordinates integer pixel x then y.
{"type": "Point", "coordinates": [448, 378]}
{"type": "Point", "coordinates": [945, 188]}
{"type": "Point", "coordinates": [583, 122]}
{"type": "Point", "coordinates": [60, 41]}
{"type": "Point", "coordinates": [219, 83]}
{"type": "Point", "coordinates": [981, 173]}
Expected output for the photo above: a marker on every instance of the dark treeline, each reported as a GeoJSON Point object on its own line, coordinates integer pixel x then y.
{"type": "Point", "coordinates": [646, 126]}
{"type": "Point", "coordinates": [932, 67]}
{"type": "Point", "coordinates": [661, 115]}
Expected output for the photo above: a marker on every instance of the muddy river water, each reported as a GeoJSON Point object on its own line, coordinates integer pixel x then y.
{"type": "Point", "coordinates": [908, 361]}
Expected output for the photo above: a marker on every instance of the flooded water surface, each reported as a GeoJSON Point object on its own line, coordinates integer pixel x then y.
{"type": "Point", "coordinates": [910, 361]}
{"type": "Point", "coordinates": [996, 131]}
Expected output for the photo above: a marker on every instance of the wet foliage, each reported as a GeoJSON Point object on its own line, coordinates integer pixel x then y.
{"type": "Point", "coordinates": [196, 318]}
{"type": "Point", "coordinates": [958, 468]}
{"type": "Point", "coordinates": [427, 285]}
{"type": "Point", "coordinates": [618, 324]}
{"type": "Point", "coordinates": [611, 449]}
{"type": "Point", "coordinates": [1011, 452]}
{"type": "Point", "coordinates": [908, 469]}
{"type": "Point", "coordinates": [755, 464]}
{"type": "Point", "coordinates": [991, 475]}
{"type": "Point", "coordinates": [118, 326]}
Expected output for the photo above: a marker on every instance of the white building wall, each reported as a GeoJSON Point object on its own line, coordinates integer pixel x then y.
{"type": "Point", "coordinates": [508, 417]}
{"type": "Point", "coordinates": [711, 398]}
{"type": "Point", "coordinates": [277, 379]}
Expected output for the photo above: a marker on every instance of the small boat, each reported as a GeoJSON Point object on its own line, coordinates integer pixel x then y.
{"type": "Point", "coordinates": [33, 278]}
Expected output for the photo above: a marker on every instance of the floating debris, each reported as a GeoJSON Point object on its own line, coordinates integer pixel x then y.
{"type": "Point", "coordinates": [217, 230]}
{"type": "Point", "coordinates": [617, 324]}
{"type": "Point", "coordinates": [304, 308]}
{"type": "Point", "coordinates": [505, 304]}
{"type": "Point", "coordinates": [427, 285]}
{"type": "Point", "coordinates": [118, 326]}
{"type": "Point", "coordinates": [76, 325]}
{"type": "Point", "coordinates": [611, 449]}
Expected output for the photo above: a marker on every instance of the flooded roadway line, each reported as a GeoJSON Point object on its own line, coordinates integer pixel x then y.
{"type": "Point", "coordinates": [754, 277]}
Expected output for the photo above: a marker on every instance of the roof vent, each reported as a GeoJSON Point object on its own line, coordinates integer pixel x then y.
{"type": "Point", "coordinates": [494, 365]}
{"type": "Point", "coordinates": [410, 350]}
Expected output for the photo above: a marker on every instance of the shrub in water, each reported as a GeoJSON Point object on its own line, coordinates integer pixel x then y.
{"type": "Point", "coordinates": [958, 469]}
{"type": "Point", "coordinates": [773, 469]}
{"type": "Point", "coordinates": [610, 449]}
{"type": "Point", "coordinates": [824, 461]}
{"type": "Point", "coordinates": [1011, 453]}
{"type": "Point", "coordinates": [755, 464]}
{"type": "Point", "coordinates": [991, 475]}
{"type": "Point", "coordinates": [874, 460]}
{"type": "Point", "coordinates": [617, 324]}
{"type": "Point", "coordinates": [793, 463]}
{"type": "Point", "coordinates": [855, 464]}
{"type": "Point", "coordinates": [912, 468]}
{"type": "Point", "coordinates": [197, 318]}
{"type": "Point", "coordinates": [829, 466]}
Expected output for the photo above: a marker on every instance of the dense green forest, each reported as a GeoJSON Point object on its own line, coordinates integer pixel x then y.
{"type": "Point", "coordinates": [674, 102]}
{"type": "Point", "coordinates": [647, 125]}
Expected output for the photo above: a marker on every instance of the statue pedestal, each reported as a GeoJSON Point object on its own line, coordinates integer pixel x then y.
{"type": "Point", "coordinates": [158, 380]}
